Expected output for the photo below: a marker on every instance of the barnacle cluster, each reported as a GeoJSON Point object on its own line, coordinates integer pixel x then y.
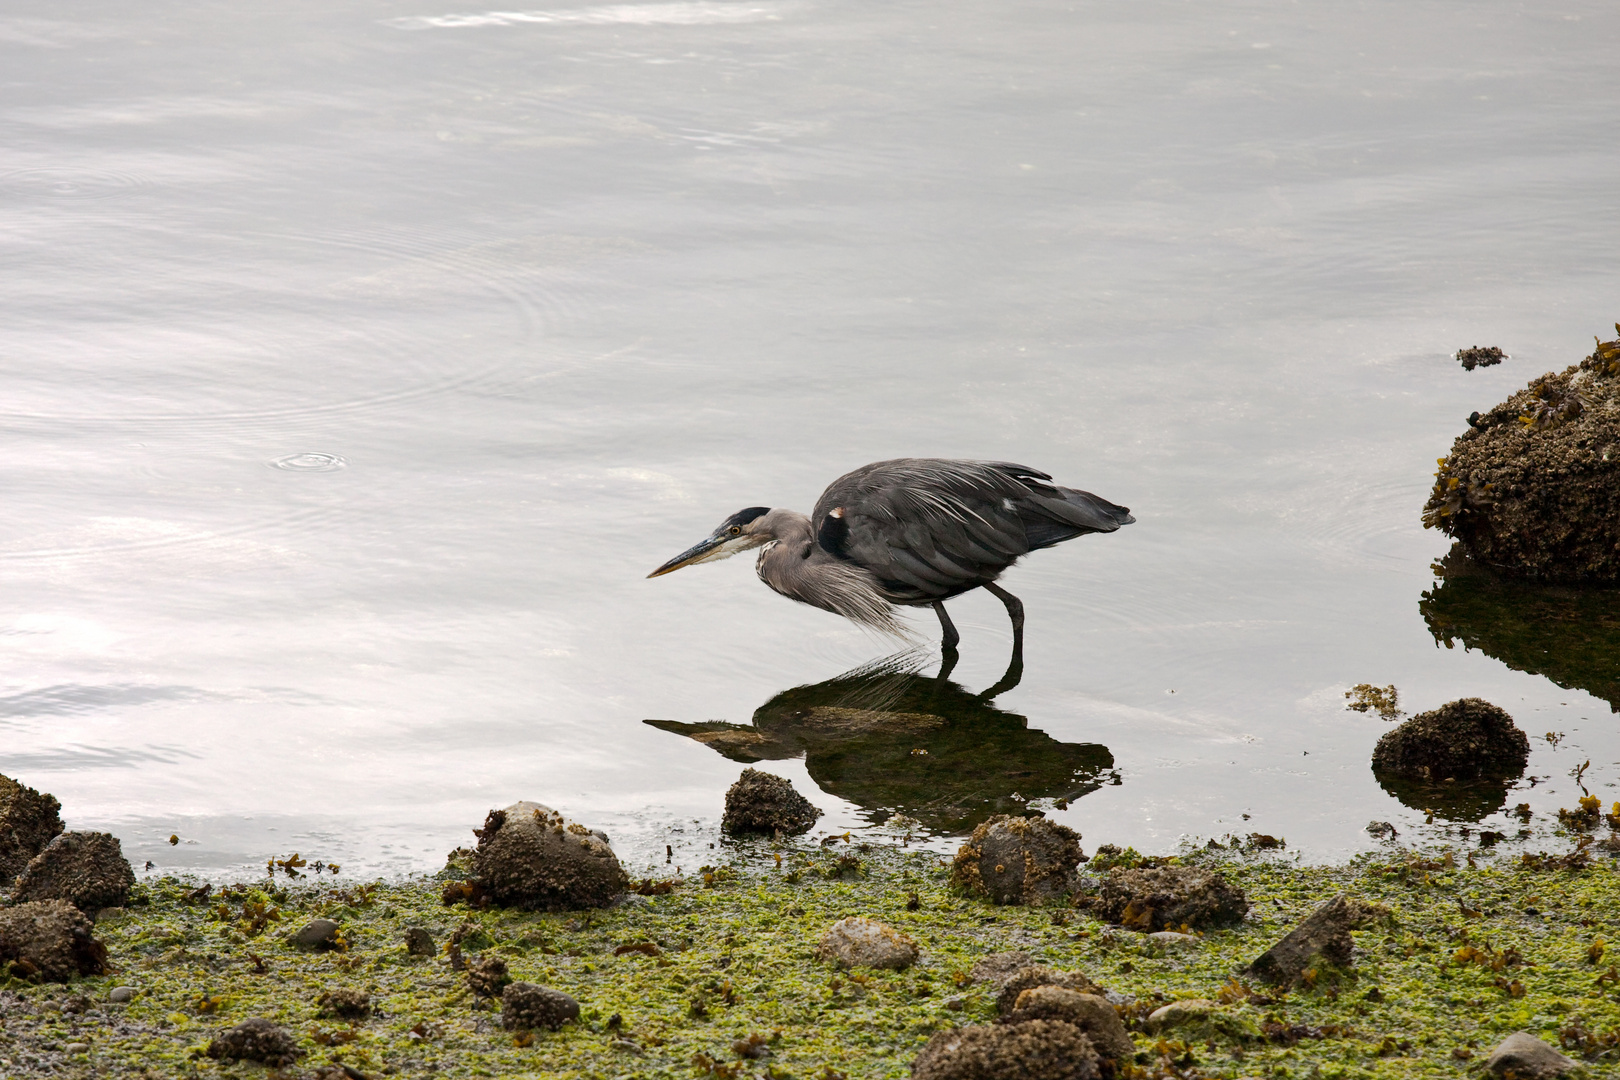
{"type": "Point", "coordinates": [1553, 405]}
{"type": "Point", "coordinates": [1474, 357]}
{"type": "Point", "coordinates": [1605, 358]}
{"type": "Point", "coordinates": [1454, 495]}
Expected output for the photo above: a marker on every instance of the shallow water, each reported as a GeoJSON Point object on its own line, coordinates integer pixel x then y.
{"type": "Point", "coordinates": [360, 358]}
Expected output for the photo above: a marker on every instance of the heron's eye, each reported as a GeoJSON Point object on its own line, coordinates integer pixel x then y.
{"type": "Point", "coordinates": [735, 530]}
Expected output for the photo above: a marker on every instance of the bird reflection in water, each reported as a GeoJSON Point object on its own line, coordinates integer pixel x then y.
{"type": "Point", "coordinates": [893, 741]}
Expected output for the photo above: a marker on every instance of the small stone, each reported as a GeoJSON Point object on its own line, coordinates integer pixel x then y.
{"type": "Point", "coordinates": [1172, 939]}
{"type": "Point", "coordinates": [50, 939]}
{"type": "Point", "coordinates": [316, 934]}
{"type": "Point", "coordinates": [77, 1048]}
{"type": "Point", "coordinates": [1018, 860]}
{"type": "Point", "coordinates": [1522, 1055]}
{"type": "Point", "coordinates": [1033, 1050]}
{"type": "Point", "coordinates": [486, 976]}
{"type": "Point", "coordinates": [256, 1039]}
{"type": "Point", "coordinates": [1381, 829]}
{"type": "Point", "coordinates": [1324, 934]}
{"type": "Point", "coordinates": [999, 967]}
{"type": "Point", "coordinates": [28, 821]}
{"type": "Point", "coordinates": [1040, 975]}
{"type": "Point", "coordinates": [862, 942]}
{"type": "Point", "coordinates": [1461, 740]}
{"type": "Point", "coordinates": [532, 858]}
{"type": "Point", "coordinates": [525, 1005]}
{"type": "Point", "coordinates": [120, 995]}
{"type": "Point", "coordinates": [418, 942]}
{"type": "Point", "coordinates": [1166, 897]}
{"type": "Point", "coordinates": [345, 1002]}
{"type": "Point", "coordinates": [1198, 1020]}
{"type": "Point", "coordinates": [765, 802]}
{"type": "Point", "coordinates": [1088, 1012]}
{"type": "Point", "coordinates": [87, 869]}
{"type": "Point", "coordinates": [955, 1004]}
{"type": "Point", "coordinates": [1178, 1013]}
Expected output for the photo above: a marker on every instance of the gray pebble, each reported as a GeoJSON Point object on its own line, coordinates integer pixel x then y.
{"type": "Point", "coordinates": [418, 942]}
{"type": "Point", "coordinates": [316, 933]}
{"type": "Point", "coordinates": [77, 1048]}
{"type": "Point", "coordinates": [121, 994]}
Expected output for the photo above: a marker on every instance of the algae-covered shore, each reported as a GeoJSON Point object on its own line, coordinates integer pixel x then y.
{"type": "Point", "coordinates": [1476, 945]}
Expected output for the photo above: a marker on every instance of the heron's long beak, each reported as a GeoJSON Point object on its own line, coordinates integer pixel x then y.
{"type": "Point", "coordinates": [703, 549]}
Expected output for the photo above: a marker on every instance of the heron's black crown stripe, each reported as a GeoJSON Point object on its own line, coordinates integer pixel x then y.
{"type": "Point", "coordinates": [743, 517]}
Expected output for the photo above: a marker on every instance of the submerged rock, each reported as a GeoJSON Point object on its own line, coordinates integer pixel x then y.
{"type": "Point", "coordinates": [531, 857]}
{"type": "Point", "coordinates": [765, 802]}
{"type": "Point", "coordinates": [525, 1005]}
{"type": "Point", "coordinates": [862, 942]}
{"type": "Point", "coordinates": [1532, 488]}
{"type": "Point", "coordinates": [256, 1039]}
{"type": "Point", "coordinates": [1461, 740]}
{"type": "Point", "coordinates": [1018, 860]}
{"type": "Point", "coordinates": [1323, 936]}
{"type": "Point", "coordinates": [1522, 1056]}
{"type": "Point", "coordinates": [28, 821]}
{"type": "Point", "coordinates": [87, 869]}
{"type": "Point", "coordinates": [1088, 1012]}
{"type": "Point", "coordinates": [50, 940]}
{"type": "Point", "coordinates": [1168, 898]}
{"type": "Point", "coordinates": [1033, 1050]}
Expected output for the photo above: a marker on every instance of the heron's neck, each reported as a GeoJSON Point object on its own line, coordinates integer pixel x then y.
{"type": "Point", "coordinates": [784, 525]}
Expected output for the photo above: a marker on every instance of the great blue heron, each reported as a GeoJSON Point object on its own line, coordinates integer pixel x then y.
{"type": "Point", "coordinates": [912, 532]}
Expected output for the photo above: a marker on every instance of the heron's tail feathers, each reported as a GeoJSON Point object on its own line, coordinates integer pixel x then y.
{"type": "Point", "coordinates": [1067, 513]}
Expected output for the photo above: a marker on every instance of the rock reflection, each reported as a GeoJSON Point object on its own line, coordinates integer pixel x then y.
{"type": "Point", "coordinates": [892, 741]}
{"type": "Point", "coordinates": [1571, 636]}
{"type": "Point", "coordinates": [1472, 800]}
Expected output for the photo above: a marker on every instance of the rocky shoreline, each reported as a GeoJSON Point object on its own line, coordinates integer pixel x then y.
{"type": "Point", "coordinates": [837, 958]}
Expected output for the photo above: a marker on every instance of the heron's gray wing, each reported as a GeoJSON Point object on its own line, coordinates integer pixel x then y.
{"type": "Point", "coordinates": [927, 528]}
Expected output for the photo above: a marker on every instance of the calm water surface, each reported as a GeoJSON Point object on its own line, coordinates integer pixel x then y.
{"type": "Point", "coordinates": [359, 359]}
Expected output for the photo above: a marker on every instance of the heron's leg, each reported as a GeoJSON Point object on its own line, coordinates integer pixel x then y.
{"type": "Point", "coordinates": [1015, 611]}
{"type": "Point", "coordinates": [945, 624]}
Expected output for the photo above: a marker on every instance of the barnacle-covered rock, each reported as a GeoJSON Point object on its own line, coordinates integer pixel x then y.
{"type": "Point", "coordinates": [486, 976]}
{"type": "Point", "coordinates": [862, 942]}
{"type": "Point", "coordinates": [1168, 898]}
{"type": "Point", "coordinates": [344, 1002]}
{"type": "Point", "coordinates": [525, 1005]}
{"type": "Point", "coordinates": [531, 857]}
{"type": "Point", "coordinates": [1532, 488]}
{"type": "Point", "coordinates": [50, 940]}
{"type": "Point", "coordinates": [765, 802]}
{"type": "Point", "coordinates": [87, 869]}
{"type": "Point", "coordinates": [28, 821]}
{"type": "Point", "coordinates": [1461, 740]}
{"type": "Point", "coordinates": [1088, 1012]}
{"type": "Point", "coordinates": [256, 1039]}
{"type": "Point", "coordinates": [1018, 860]}
{"type": "Point", "coordinates": [1038, 975]}
{"type": "Point", "coordinates": [1033, 1050]}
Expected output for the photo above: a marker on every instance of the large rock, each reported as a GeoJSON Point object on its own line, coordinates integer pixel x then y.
{"type": "Point", "coordinates": [1168, 898]}
{"type": "Point", "coordinates": [765, 802]}
{"type": "Point", "coordinates": [87, 869]}
{"type": "Point", "coordinates": [862, 942]}
{"type": "Point", "coordinates": [1532, 488]}
{"type": "Point", "coordinates": [28, 821]}
{"type": "Point", "coordinates": [1039, 975]}
{"type": "Point", "coordinates": [1522, 1056]}
{"type": "Point", "coordinates": [525, 1005]}
{"type": "Point", "coordinates": [1461, 740]}
{"type": "Point", "coordinates": [1018, 860]}
{"type": "Point", "coordinates": [256, 1039]}
{"type": "Point", "coordinates": [50, 940]}
{"type": "Point", "coordinates": [1033, 1050]}
{"type": "Point", "coordinates": [1088, 1012]}
{"type": "Point", "coordinates": [1323, 936]}
{"type": "Point", "coordinates": [531, 857]}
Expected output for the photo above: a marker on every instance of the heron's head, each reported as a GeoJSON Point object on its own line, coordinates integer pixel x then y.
{"type": "Point", "coordinates": [741, 531]}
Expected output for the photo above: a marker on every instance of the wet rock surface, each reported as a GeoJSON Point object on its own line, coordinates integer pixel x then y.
{"type": "Point", "coordinates": [50, 940]}
{"type": "Point", "coordinates": [256, 1039]}
{"type": "Point", "coordinates": [87, 869]}
{"type": "Point", "coordinates": [1168, 898]}
{"type": "Point", "coordinates": [764, 802]}
{"type": "Point", "coordinates": [1462, 740]}
{"type": "Point", "coordinates": [1324, 936]}
{"type": "Point", "coordinates": [1532, 488]}
{"type": "Point", "coordinates": [1033, 1050]}
{"type": "Point", "coordinates": [862, 942]}
{"type": "Point", "coordinates": [531, 857]}
{"type": "Point", "coordinates": [1018, 860]}
{"type": "Point", "coordinates": [1088, 1012]}
{"type": "Point", "coordinates": [526, 1005]}
{"type": "Point", "coordinates": [28, 821]}
{"type": "Point", "coordinates": [1522, 1056]}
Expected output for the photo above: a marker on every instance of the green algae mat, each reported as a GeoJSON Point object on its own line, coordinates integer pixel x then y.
{"type": "Point", "coordinates": [719, 977]}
